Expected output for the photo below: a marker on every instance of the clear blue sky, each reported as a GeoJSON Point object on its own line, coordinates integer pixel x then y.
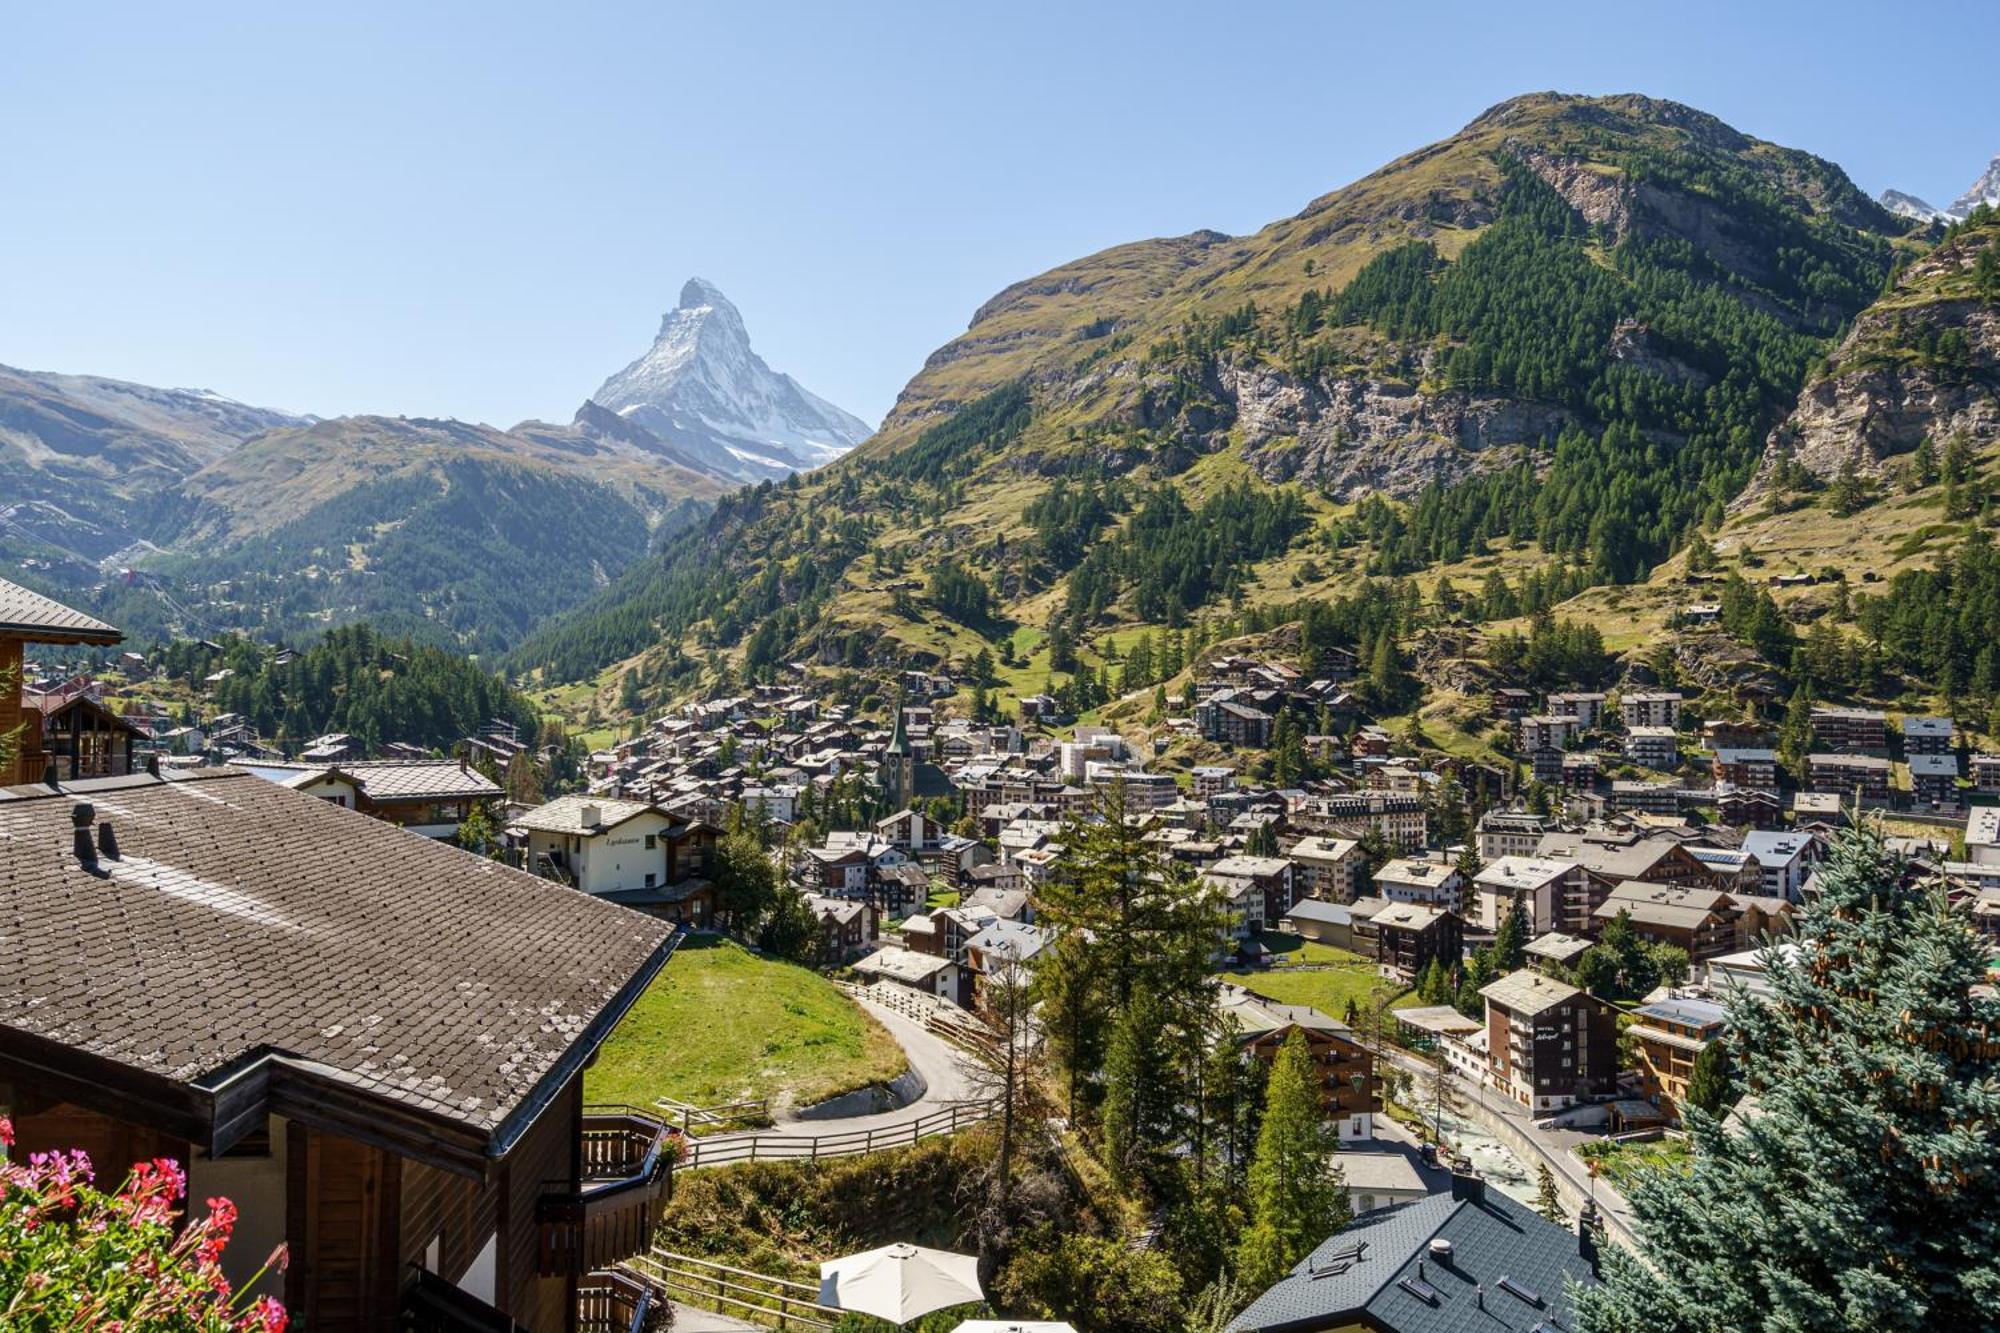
{"type": "Point", "coordinates": [480, 210]}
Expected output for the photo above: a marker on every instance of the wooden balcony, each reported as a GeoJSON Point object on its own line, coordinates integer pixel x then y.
{"type": "Point", "coordinates": [628, 1164]}
{"type": "Point", "coordinates": [619, 1302]}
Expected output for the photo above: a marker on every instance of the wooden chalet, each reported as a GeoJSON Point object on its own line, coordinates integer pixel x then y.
{"type": "Point", "coordinates": [28, 617]}
{"type": "Point", "coordinates": [81, 738]}
{"type": "Point", "coordinates": [1349, 1088]}
{"type": "Point", "coordinates": [373, 1043]}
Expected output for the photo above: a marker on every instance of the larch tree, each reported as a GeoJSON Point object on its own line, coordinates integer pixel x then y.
{"type": "Point", "coordinates": [1862, 1192]}
{"type": "Point", "coordinates": [1298, 1197]}
{"type": "Point", "coordinates": [1139, 1118]}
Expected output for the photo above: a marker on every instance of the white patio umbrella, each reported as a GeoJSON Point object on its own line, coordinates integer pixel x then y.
{"type": "Point", "coordinates": [900, 1282]}
{"type": "Point", "coordinates": [1013, 1326]}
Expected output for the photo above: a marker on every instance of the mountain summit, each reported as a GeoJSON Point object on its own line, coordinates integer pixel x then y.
{"type": "Point", "coordinates": [703, 390]}
{"type": "Point", "coordinates": [1985, 190]}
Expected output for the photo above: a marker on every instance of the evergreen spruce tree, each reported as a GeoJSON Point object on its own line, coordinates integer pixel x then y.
{"type": "Point", "coordinates": [1548, 1201]}
{"type": "Point", "coordinates": [1297, 1196]}
{"type": "Point", "coordinates": [1862, 1194]}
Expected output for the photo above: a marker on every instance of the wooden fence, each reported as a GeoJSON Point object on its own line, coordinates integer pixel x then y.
{"type": "Point", "coordinates": [729, 1149]}
{"type": "Point", "coordinates": [690, 1117]}
{"type": "Point", "coordinates": [758, 1297]}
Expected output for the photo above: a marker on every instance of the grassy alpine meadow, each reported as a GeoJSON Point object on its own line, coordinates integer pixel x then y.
{"type": "Point", "coordinates": [721, 1024]}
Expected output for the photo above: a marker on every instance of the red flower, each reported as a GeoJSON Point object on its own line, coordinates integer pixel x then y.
{"type": "Point", "coordinates": [6, 1133]}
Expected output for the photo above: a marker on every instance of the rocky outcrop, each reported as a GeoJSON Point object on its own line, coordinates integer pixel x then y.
{"type": "Point", "coordinates": [1922, 363]}
{"type": "Point", "coordinates": [1353, 435]}
{"type": "Point", "coordinates": [1604, 196]}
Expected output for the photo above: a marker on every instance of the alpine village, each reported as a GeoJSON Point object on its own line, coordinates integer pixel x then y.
{"type": "Point", "coordinates": [1431, 768]}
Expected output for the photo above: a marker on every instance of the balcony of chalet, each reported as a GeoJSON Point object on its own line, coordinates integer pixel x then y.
{"type": "Point", "coordinates": [617, 1302]}
{"type": "Point", "coordinates": [627, 1176]}
{"type": "Point", "coordinates": [606, 1302]}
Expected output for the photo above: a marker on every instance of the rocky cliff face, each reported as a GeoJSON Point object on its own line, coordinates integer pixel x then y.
{"type": "Point", "coordinates": [1922, 362]}
{"type": "Point", "coordinates": [1350, 435]}
{"type": "Point", "coordinates": [701, 390]}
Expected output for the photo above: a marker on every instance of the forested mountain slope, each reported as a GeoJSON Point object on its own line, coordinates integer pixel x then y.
{"type": "Point", "coordinates": [1567, 331]}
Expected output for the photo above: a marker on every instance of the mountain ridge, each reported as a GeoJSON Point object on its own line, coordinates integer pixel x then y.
{"type": "Point", "coordinates": [1674, 279]}
{"type": "Point", "coordinates": [275, 521]}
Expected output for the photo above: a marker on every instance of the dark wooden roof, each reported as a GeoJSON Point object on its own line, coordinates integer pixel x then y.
{"type": "Point", "coordinates": [253, 948]}
{"type": "Point", "coordinates": [26, 614]}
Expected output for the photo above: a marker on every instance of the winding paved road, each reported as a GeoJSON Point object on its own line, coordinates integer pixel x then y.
{"type": "Point", "coordinates": [951, 1079]}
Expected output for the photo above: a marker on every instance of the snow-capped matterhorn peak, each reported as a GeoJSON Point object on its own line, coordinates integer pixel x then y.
{"type": "Point", "coordinates": [700, 387]}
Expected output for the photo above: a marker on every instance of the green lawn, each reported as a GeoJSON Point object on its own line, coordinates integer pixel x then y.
{"type": "Point", "coordinates": [721, 1025]}
{"type": "Point", "coordinates": [1327, 989]}
{"type": "Point", "coordinates": [1622, 1163]}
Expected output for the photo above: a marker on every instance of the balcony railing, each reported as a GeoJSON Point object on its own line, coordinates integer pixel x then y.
{"type": "Point", "coordinates": [619, 1302]}
{"type": "Point", "coordinates": [627, 1174]}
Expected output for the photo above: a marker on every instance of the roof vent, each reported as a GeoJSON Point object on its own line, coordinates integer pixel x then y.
{"type": "Point", "coordinates": [1441, 1250]}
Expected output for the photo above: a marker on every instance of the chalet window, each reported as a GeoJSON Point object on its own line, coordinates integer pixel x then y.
{"type": "Point", "coordinates": [652, 842]}
{"type": "Point", "coordinates": [650, 878]}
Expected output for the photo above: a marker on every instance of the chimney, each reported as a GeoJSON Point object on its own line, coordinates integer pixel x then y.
{"type": "Point", "coordinates": [80, 819]}
{"type": "Point", "coordinates": [1467, 1187]}
{"type": "Point", "coordinates": [107, 841]}
{"type": "Point", "coordinates": [591, 815]}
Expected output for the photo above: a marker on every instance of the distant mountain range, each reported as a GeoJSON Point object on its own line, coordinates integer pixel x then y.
{"type": "Point", "coordinates": [191, 511]}
{"type": "Point", "coordinates": [1985, 190]}
{"type": "Point", "coordinates": [1559, 336]}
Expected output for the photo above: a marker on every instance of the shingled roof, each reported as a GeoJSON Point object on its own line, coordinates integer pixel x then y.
{"type": "Point", "coordinates": [250, 947]}
{"type": "Point", "coordinates": [26, 614]}
{"type": "Point", "coordinates": [1501, 1266]}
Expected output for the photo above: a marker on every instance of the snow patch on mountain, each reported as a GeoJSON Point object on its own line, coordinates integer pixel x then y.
{"type": "Point", "coordinates": [1909, 206]}
{"type": "Point", "coordinates": [1985, 190]}
{"type": "Point", "coordinates": [701, 388]}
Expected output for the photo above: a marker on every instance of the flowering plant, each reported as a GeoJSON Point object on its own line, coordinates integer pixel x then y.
{"type": "Point", "coordinates": [73, 1257]}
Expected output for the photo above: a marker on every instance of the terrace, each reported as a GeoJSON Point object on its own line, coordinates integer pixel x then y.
{"type": "Point", "coordinates": [627, 1174]}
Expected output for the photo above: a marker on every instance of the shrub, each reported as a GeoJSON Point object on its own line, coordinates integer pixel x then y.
{"type": "Point", "coordinates": [73, 1257]}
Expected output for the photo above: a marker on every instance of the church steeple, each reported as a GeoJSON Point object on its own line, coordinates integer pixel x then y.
{"type": "Point", "coordinates": [896, 771]}
{"type": "Point", "coordinates": [899, 739]}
